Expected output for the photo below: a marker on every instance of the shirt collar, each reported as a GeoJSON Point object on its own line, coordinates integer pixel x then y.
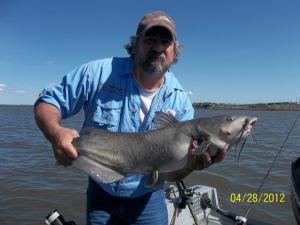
{"type": "Point", "coordinates": [171, 83]}
{"type": "Point", "coordinates": [128, 68]}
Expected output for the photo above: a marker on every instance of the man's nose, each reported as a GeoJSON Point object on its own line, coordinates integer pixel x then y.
{"type": "Point", "coordinates": [159, 46]}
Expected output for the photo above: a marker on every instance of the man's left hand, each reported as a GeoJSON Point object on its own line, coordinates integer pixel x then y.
{"type": "Point", "coordinates": [204, 160]}
{"type": "Point", "coordinates": [195, 162]}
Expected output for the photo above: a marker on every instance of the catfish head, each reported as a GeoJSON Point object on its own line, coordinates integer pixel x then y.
{"type": "Point", "coordinates": [225, 131]}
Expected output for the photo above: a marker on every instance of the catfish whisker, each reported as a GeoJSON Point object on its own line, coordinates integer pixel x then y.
{"type": "Point", "coordinates": [235, 155]}
{"type": "Point", "coordinates": [235, 150]}
{"type": "Point", "coordinates": [241, 149]}
{"type": "Point", "coordinates": [254, 139]}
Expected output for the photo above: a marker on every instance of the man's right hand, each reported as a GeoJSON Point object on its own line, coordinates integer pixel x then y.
{"type": "Point", "coordinates": [64, 151]}
{"type": "Point", "coordinates": [48, 118]}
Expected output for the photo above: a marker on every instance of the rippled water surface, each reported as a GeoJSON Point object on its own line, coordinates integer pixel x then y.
{"type": "Point", "coordinates": [32, 185]}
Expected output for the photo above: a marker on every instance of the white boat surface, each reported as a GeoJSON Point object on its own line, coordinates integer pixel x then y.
{"type": "Point", "coordinates": [196, 205]}
{"type": "Point", "coordinates": [204, 215]}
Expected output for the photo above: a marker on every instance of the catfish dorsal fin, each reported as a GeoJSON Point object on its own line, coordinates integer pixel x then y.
{"type": "Point", "coordinates": [162, 119]}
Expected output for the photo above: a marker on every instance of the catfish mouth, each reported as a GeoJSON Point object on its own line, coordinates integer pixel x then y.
{"type": "Point", "coordinates": [249, 124]}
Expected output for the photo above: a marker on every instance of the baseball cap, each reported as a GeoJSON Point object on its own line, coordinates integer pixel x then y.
{"type": "Point", "coordinates": [156, 19]}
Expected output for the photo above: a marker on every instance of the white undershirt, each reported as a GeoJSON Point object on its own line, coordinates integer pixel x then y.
{"type": "Point", "coordinates": [146, 100]}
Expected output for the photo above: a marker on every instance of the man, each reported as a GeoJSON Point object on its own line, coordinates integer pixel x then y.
{"type": "Point", "coordinates": [122, 94]}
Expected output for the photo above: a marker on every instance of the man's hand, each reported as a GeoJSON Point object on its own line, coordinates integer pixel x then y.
{"type": "Point", "coordinates": [48, 118]}
{"type": "Point", "coordinates": [204, 160]}
{"type": "Point", "coordinates": [195, 162]}
{"type": "Point", "coordinates": [63, 149]}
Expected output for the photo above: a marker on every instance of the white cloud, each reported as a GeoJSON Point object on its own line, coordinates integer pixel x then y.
{"type": "Point", "coordinates": [189, 92]}
{"type": "Point", "coordinates": [50, 62]}
{"type": "Point", "coordinates": [20, 92]}
{"type": "Point", "coordinates": [52, 84]}
{"type": "Point", "coordinates": [2, 86]}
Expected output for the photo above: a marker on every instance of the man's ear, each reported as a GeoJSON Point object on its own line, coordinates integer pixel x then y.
{"type": "Point", "coordinates": [133, 50]}
{"type": "Point", "coordinates": [175, 55]}
{"type": "Point", "coordinates": [134, 44]}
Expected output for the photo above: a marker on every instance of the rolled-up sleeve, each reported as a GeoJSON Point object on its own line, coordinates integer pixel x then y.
{"type": "Point", "coordinates": [71, 94]}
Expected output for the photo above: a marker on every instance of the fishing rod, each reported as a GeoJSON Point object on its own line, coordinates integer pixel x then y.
{"type": "Point", "coordinates": [273, 162]}
{"type": "Point", "coordinates": [186, 200]}
{"type": "Point", "coordinates": [242, 220]}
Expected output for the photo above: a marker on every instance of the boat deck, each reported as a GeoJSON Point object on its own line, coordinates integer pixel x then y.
{"type": "Point", "coordinates": [204, 216]}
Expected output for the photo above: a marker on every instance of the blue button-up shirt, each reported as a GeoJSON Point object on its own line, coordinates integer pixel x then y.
{"type": "Point", "coordinates": [109, 95]}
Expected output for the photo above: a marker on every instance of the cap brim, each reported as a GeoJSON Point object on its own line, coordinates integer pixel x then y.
{"type": "Point", "coordinates": [148, 28]}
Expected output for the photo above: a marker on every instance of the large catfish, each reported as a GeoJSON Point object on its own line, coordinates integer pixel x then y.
{"type": "Point", "coordinates": [109, 156]}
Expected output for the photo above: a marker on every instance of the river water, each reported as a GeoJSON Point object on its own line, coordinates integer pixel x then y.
{"type": "Point", "coordinates": [32, 185]}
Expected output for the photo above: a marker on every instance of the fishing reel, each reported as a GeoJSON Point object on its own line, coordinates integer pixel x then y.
{"type": "Point", "coordinates": [185, 194]}
{"type": "Point", "coordinates": [240, 220]}
{"type": "Point", "coordinates": [54, 218]}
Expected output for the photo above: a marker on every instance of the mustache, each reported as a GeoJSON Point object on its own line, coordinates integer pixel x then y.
{"type": "Point", "coordinates": [152, 55]}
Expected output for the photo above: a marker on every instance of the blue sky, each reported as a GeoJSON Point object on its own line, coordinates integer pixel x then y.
{"type": "Point", "coordinates": [234, 51]}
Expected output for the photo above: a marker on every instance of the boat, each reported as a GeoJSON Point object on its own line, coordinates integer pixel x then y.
{"type": "Point", "coordinates": [196, 205]}
{"type": "Point", "coordinates": [295, 188]}
{"type": "Point", "coordinates": [186, 206]}
{"type": "Point", "coordinates": [199, 205]}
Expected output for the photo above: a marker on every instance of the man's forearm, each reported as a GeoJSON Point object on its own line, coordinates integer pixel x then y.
{"type": "Point", "coordinates": [48, 118]}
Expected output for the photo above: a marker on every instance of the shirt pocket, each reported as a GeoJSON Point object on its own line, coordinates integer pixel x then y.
{"type": "Point", "coordinates": [108, 113]}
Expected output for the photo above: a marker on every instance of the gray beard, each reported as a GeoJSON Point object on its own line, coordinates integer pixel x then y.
{"type": "Point", "coordinates": [154, 64]}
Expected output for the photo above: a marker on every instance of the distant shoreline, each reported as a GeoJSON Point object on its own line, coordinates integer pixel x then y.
{"type": "Point", "coordinates": [16, 105]}
{"type": "Point", "coordinates": [276, 106]}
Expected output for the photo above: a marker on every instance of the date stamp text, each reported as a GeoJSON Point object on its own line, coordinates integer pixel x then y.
{"type": "Point", "coordinates": [258, 197]}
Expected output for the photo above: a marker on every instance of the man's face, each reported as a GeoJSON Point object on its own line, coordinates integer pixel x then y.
{"type": "Point", "coordinates": [155, 51]}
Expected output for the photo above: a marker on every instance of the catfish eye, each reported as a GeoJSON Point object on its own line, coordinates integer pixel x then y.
{"type": "Point", "coordinates": [229, 119]}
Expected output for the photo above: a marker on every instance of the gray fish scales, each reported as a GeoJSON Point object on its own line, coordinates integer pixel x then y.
{"type": "Point", "coordinates": [109, 156]}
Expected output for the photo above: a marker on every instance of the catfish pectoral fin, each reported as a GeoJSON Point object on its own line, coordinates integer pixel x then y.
{"type": "Point", "coordinates": [96, 171]}
{"type": "Point", "coordinates": [152, 179]}
{"type": "Point", "coordinates": [155, 180]}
